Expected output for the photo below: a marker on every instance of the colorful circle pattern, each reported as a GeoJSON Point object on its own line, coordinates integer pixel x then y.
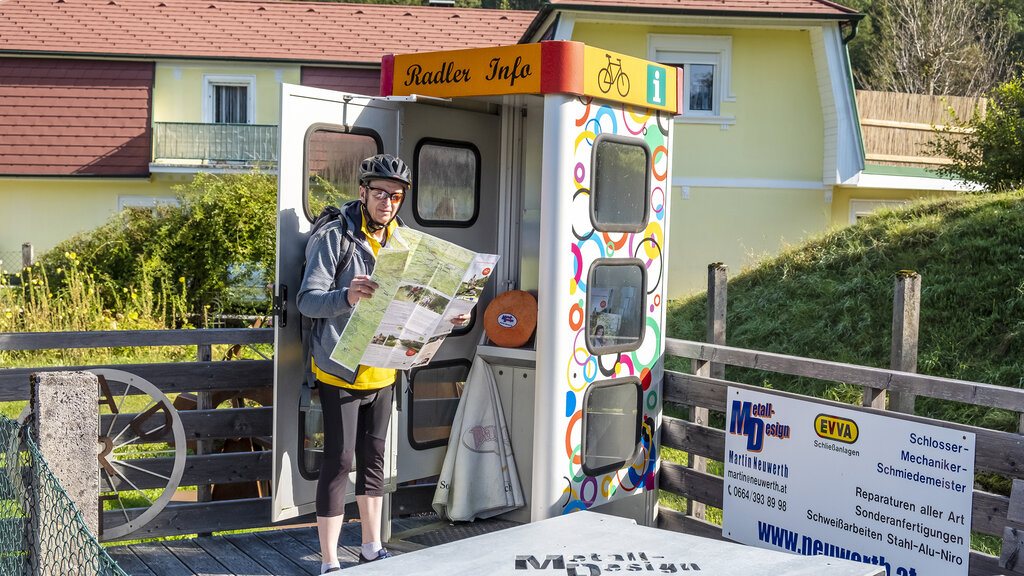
{"type": "Point", "coordinates": [593, 118]}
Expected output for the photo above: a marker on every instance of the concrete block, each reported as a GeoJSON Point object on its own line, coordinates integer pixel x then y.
{"type": "Point", "coordinates": [66, 426]}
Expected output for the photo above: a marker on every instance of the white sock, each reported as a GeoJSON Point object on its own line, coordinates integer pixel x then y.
{"type": "Point", "coordinates": [325, 567]}
{"type": "Point", "coordinates": [370, 550]}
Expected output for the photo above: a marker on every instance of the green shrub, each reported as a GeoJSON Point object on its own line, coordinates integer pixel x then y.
{"type": "Point", "coordinates": [987, 149]}
{"type": "Point", "coordinates": [223, 228]}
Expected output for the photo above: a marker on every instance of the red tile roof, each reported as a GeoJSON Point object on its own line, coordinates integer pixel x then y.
{"type": "Point", "coordinates": [81, 117]}
{"type": "Point", "coordinates": [822, 8]}
{"type": "Point", "coordinates": [249, 29]}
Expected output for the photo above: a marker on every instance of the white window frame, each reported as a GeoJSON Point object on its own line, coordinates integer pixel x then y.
{"type": "Point", "coordinates": [684, 49]}
{"type": "Point", "coordinates": [863, 207]}
{"type": "Point", "coordinates": [210, 81]}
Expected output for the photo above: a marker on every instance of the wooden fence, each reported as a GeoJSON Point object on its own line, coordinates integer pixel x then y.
{"type": "Point", "coordinates": [204, 378]}
{"type": "Point", "coordinates": [898, 127]}
{"type": "Point", "coordinates": [998, 452]}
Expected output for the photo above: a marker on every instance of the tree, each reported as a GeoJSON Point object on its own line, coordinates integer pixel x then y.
{"type": "Point", "coordinates": [957, 47]}
{"type": "Point", "coordinates": [987, 148]}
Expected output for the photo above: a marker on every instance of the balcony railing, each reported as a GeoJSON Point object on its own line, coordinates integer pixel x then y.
{"type": "Point", "coordinates": [210, 143]}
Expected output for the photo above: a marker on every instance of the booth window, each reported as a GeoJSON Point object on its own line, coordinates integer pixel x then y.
{"type": "Point", "coordinates": [331, 163]}
{"type": "Point", "coordinates": [435, 391]}
{"type": "Point", "coordinates": [311, 437]}
{"type": "Point", "coordinates": [616, 291]}
{"type": "Point", "coordinates": [612, 415]}
{"type": "Point", "coordinates": [620, 183]}
{"type": "Point", "coordinates": [446, 183]}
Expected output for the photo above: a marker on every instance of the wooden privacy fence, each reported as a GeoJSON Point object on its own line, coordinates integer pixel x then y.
{"type": "Point", "coordinates": [996, 451]}
{"type": "Point", "coordinates": [897, 127]}
{"type": "Point", "coordinates": [205, 378]}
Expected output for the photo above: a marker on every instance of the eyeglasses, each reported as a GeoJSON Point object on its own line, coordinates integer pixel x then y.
{"type": "Point", "coordinates": [380, 194]}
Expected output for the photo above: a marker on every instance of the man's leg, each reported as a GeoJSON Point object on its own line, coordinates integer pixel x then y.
{"type": "Point", "coordinates": [329, 530]}
{"type": "Point", "coordinates": [374, 419]}
{"type": "Point", "coordinates": [370, 517]}
{"type": "Point", "coordinates": [340, 410]}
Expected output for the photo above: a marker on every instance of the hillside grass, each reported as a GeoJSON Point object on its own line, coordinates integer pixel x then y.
{"type": "Point", "coordinates": [832, 299]}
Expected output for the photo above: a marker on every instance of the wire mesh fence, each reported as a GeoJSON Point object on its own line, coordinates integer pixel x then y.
{"type": "Point", "coordinates": [41, 530]}
{"type": "Point", "coordinates": [11, 261]}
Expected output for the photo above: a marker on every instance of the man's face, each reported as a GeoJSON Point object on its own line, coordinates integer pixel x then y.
{"type": "Point", "coordinates": [381, 209]}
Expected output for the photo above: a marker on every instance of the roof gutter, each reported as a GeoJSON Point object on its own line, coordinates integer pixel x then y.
{"type": "Point", "coordinates": [545, 11]}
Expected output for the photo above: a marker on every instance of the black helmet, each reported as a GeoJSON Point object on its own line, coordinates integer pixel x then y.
{"type": "Point", "coordinates": [385, 167]}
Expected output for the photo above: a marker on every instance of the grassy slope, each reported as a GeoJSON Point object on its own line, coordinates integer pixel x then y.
{"type": "Point", "coordinates": [831, 298]}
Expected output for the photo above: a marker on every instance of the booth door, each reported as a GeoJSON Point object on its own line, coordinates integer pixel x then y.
{"type": "Point", "coordinates": [323, 137]}
{"type": "Point", "coordinates": [455, 196]}
{"type": "Point", "coordinates": [454, 154]}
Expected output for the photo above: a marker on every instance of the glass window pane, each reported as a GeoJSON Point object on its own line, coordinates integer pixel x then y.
{"type": "Point", "coordinates": [332, 167]}
{"type": "Point", "coordinates": [436, 390]}
{"type": "Point", "coordinates": [446, 183]}
{"type": "Point", "coordinates": [230, 105]}
{"type": "Point", "coordinates": [620, 184]}
{"type": "Point", "coordinates": [312, 436]}
{"type": "Point", "coordinates": [616, 290]}
{"type": "Point", "coordinates": [611, 425]}
{"type": "Point", "coordinates": [702, 84]}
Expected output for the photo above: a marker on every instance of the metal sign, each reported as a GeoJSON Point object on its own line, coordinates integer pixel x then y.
{"type": "Point", "coordinates": [818, 480]}
{"type": "Point", "coordinates": [544, 68]}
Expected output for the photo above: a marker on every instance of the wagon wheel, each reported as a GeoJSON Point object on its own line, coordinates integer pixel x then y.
{"type": "Point", "coordinates": [126, 444]}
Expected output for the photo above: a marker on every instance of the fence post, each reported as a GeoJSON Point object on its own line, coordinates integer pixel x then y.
{"type": "Point", "coordinates": [27, 255]}
{"type": "Point", "coordinates": [718, 287]}
{"type": "Point", "coordinates": [906, 317]}
{"type": "Point", "coordinates": [715, 335]}
{"type": "Point", "coordinates": [66, 426]}
{"type": "Point", "coordinates": [204, 401]}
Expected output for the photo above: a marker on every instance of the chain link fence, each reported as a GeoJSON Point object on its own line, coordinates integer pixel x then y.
{"type": "Point", "coordinates": [41, 530]}
{"type": "Point", "coordinates": [10, 260]}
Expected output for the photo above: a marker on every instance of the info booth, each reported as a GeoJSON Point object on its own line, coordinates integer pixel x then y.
{"type": "Point", "coordinates": [556, 157]}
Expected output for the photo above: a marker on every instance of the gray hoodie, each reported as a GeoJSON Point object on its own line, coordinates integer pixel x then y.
{"type": "Point", "coordinates": [323, 295]}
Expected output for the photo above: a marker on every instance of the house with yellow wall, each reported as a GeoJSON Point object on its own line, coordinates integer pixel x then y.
{"type": "Point", "coordinates": [107, 104]}
{"type": "Point", "coordinates": [769, 147]}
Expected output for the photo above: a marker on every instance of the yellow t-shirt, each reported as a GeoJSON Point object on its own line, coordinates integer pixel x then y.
{"type": "Point", "coordinates": [368, 377]}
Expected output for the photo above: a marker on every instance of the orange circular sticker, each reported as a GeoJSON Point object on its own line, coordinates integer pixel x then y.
{"type": "Point", "coordinates": [486, 271]}
{"type": "Point", "coordinates": [410, 352]}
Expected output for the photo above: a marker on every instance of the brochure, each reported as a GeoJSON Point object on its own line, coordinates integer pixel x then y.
{"type": "Point", "coordinates": [423, 282]}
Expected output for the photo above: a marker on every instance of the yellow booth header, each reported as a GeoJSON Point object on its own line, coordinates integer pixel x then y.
{"type": "Point", "coordinates": [544, 68]}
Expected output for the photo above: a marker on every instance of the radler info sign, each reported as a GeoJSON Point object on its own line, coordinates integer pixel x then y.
{"type": "Point", "coordinates": [816, 480]}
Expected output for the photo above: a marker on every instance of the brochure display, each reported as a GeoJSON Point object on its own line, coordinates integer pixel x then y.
{"type": "Point", "coordinates": [423, 282]}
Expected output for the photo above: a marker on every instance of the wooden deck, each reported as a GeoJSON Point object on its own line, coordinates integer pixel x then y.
{"type": "Point", "coordinates": [288, 552]}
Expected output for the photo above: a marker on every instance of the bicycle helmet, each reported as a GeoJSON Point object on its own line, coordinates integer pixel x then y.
{"type": "Point", "coordinates": [385, 167]}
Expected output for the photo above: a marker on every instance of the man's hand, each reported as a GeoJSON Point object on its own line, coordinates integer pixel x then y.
{"type": "Point", "coordinates": [461, 319]}
{"type": "Point", "coordinates": [360, 287]}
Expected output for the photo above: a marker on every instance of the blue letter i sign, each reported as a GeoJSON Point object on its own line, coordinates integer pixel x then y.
{"type": "Point", "coordinates": [656, 85]}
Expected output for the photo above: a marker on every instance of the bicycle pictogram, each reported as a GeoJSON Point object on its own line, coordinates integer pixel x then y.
{"type": "Point", "coordinates": [613, 74]}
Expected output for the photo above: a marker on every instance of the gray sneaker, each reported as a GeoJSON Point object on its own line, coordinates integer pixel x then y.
{"type": "Point", "coordinates": [381, 554]}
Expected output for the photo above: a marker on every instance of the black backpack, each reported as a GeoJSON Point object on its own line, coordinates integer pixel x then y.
{"type": "Point", "coordinates": [327, 215]}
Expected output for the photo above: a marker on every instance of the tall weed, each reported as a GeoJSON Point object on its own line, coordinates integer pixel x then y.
{"type": "Point", "coordinates": [70, 299]}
